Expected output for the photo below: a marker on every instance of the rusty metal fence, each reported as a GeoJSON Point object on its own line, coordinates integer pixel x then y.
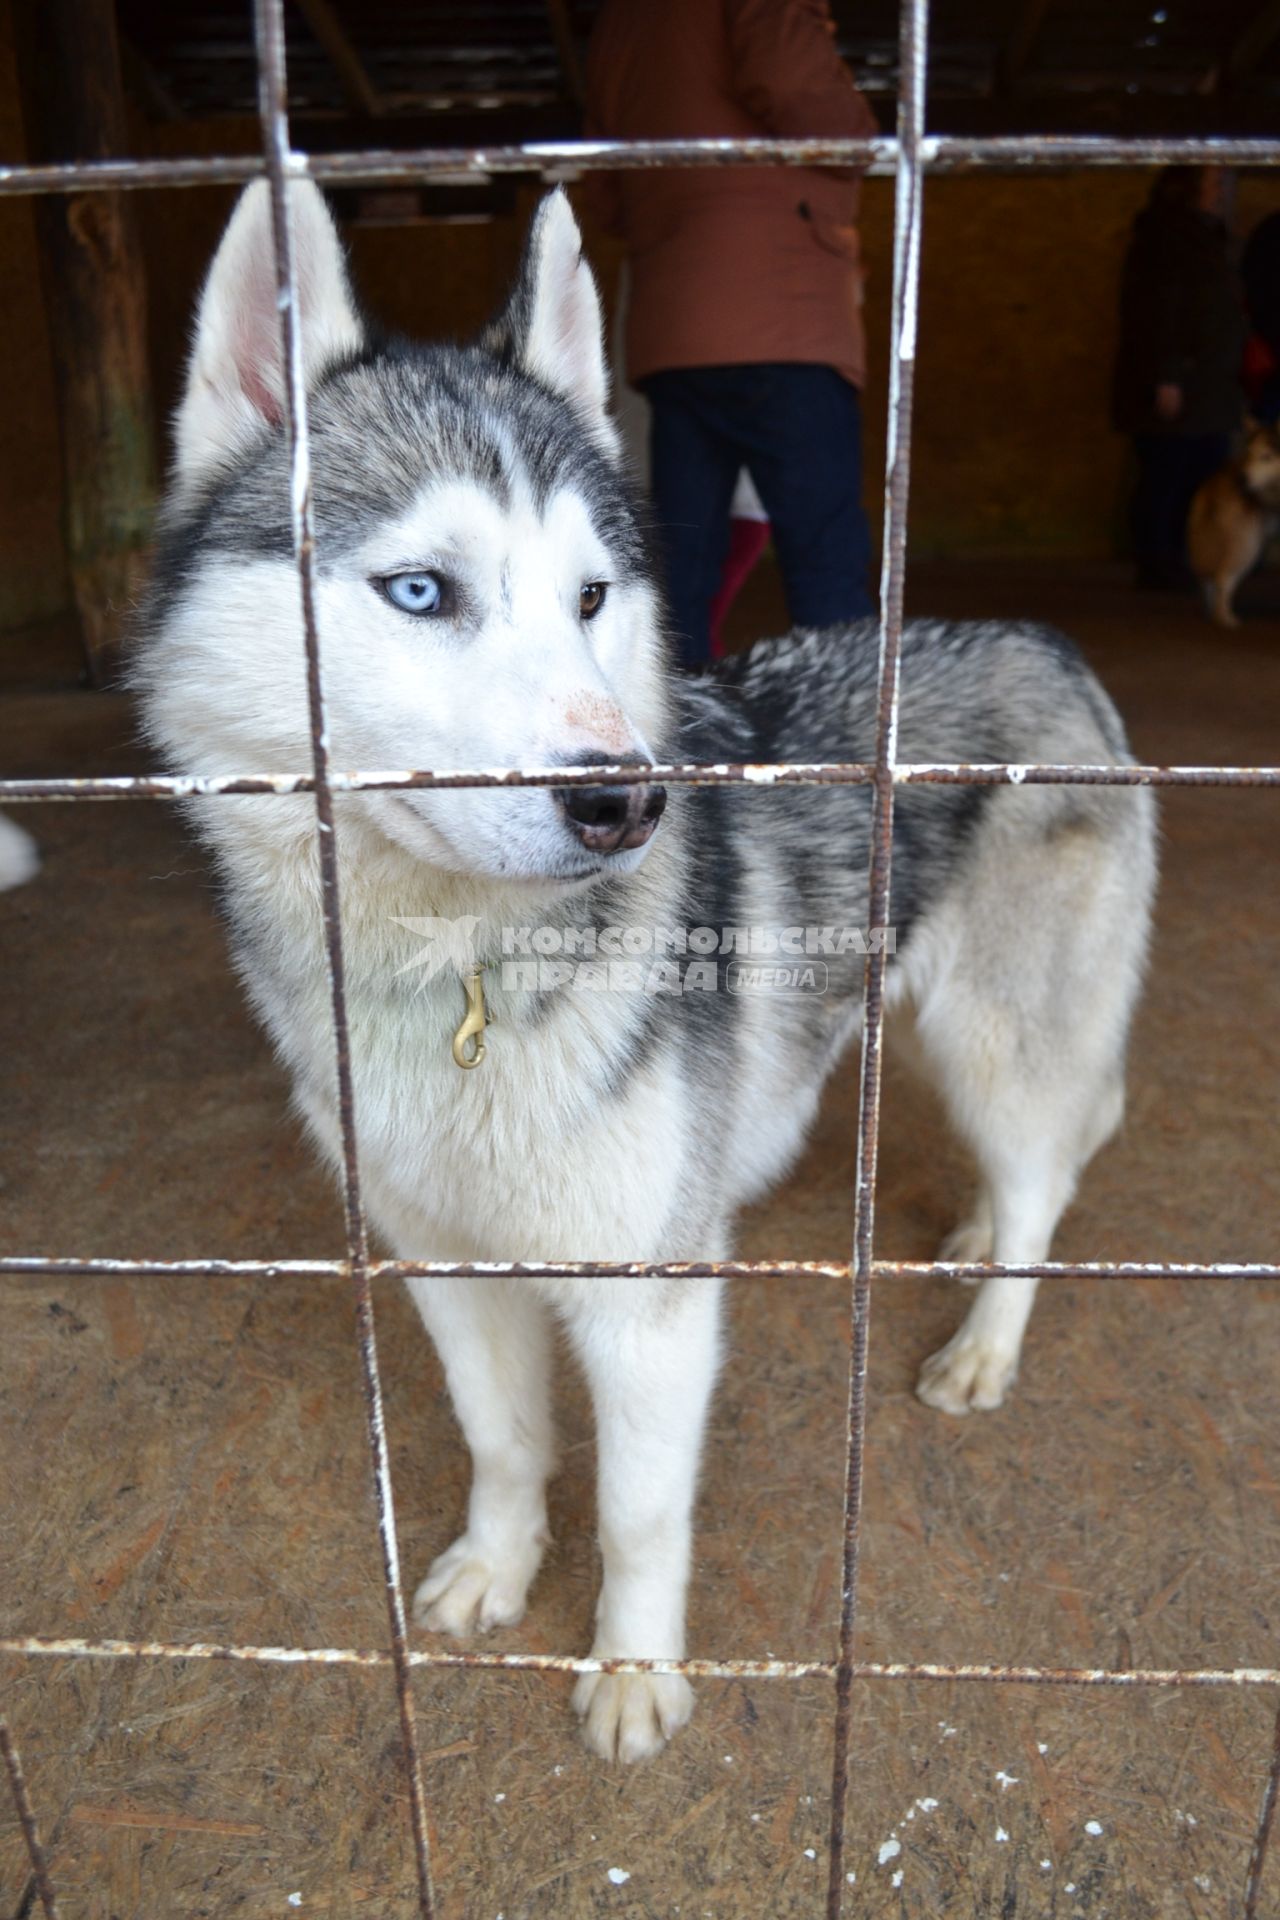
{"type": "Point", "coordinates": [909, 157]}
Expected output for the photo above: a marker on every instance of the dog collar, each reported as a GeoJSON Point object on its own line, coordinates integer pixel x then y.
{"type": "Point", "coordinates": [475, 1021]}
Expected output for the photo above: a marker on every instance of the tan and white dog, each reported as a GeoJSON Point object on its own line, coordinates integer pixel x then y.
{"type": "Point", "coordinates": [1233, 516]}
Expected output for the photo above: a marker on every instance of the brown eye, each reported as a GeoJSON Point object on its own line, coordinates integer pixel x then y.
{"type": "Point", "coordinates": [591, 599]}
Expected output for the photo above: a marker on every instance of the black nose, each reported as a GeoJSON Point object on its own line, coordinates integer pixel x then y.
{"type": "Point", "coordinates": [612, 819]}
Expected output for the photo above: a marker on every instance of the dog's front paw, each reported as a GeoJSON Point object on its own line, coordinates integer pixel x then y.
{"type": "Point", "coordinates": [631, 1716]}
{"type": "Point", "coordinates": [968, 1374]}
{"type": "Point", "coordinates": [468, 1591]}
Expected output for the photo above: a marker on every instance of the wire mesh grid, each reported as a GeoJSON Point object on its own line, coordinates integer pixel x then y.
{"type": "Point", "coordinates": [908, 157]}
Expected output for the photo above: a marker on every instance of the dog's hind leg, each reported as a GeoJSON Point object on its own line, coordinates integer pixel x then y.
{"type": "Point", "coordinates": [494, 1338]}
{"type": "Point", "coordinates": [1221, 595]}
{"type": "Point", "coordinates": [1045, 1109]}
{"type": "Point", "coordinates": [650, 1350]}
{"type": "Point", "coordinates": [1246, 551]}
{"type": "Point", "coordinates": [977, 1366]}
{"type": "Point", "coordinates": [1025, 984]}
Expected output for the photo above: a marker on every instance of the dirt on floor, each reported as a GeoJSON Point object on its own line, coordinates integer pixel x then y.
{"type": "Point", "coordinates": [187, 1460]}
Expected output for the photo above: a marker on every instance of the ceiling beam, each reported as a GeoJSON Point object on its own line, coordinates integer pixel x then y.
{"type": "Point", "coordinates": [144, 86]}
{"type": "Point", "coordinates": [1138, 116]}
{"type": "Point", "coordinates": [1018, 48]}
{"type": "Point", "coordinates": [357, 88]}
{"type": "Point", "coordinates": [340, 134]}
{"type": "Point", "coordinates": [1251, 43]}
{"type": "Point", "coordinates": [566, 49]}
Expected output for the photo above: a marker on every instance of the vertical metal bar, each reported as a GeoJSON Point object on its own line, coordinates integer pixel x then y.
{"type": "Point", "coordinates": [30, 1831]}
{"type": "Point", "coordinates": [1262, 1838]}
{"type": "Point", "coordinates": [913, 43]}
{"type": "Point", "coordinates": [273, 114]}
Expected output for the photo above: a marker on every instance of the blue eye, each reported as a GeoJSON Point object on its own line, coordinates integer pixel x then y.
{"type": "Point", "coordinates": [415, 592]}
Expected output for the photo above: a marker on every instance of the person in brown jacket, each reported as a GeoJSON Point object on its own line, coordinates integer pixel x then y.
{"type": "Point", "coordinates": [745, 328]}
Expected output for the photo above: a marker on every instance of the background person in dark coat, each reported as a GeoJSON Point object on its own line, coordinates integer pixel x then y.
{"type": "Point", "coordinates": [1177, 376]}
{"type": "Point", "coordinates": [1260, 270]}
{"type": "Point", "coordinates": [744, 330]}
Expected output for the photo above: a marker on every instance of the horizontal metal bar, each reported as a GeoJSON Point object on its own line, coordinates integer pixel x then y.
{"type": "Point", "coordinates": [69, 1267]}
{"type": "Point", "coordinates": [104, 1268]}
{"type": "Point", "coordinates": [939, 153]}
{"type": "Point", "coordinates": [781, 773]}
{"type": "Point", "coordinates": [44, 1647]}
{"type": "Point", "coordinates": [40, 1645]}
{"type": "Point", "coordinates": [375, 165]}
{"type": "Point", "coordinates": [108, 1269]}
{"type": "Point", "coordinates": [953, 153]}
{"type": "Point", "coordinates": [1049, 774]}
{"type": "Point", "coordinates": [112, 176]}
{"type": "Point", "coordinates": [1077, 1270]}
{"type": "Point", "coordinates": [215, 786]}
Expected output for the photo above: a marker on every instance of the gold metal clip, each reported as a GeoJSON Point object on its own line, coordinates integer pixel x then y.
{"type": "Point", "coordinates": [477, 1019]}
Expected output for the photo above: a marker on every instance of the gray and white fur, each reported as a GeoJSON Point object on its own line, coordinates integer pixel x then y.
{"type": "Point", "coordinates": [470, 507]}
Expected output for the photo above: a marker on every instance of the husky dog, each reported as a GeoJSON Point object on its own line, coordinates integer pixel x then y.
{"type": "Point", "coordinates": [1232, 517]}
{"type": "Point", "coordinates": [486, 598]}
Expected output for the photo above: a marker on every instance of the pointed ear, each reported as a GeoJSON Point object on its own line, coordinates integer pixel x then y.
{"type": "Point", "coordinates": [552, 325]}
{"type": "Point", "coordinates": [235, 381]}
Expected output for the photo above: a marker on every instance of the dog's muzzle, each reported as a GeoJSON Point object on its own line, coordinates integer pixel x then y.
{"type": "Point", "coordinates": [612, 819]}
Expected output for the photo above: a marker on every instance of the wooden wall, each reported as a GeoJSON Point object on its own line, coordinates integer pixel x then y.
{"type": "Point", "coordinates": [1013, 452]}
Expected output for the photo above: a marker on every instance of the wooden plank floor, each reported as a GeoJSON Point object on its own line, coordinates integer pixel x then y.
{"type": "Point", "coordinates": [188, 1460]}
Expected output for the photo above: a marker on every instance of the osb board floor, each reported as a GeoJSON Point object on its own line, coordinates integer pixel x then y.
{"type": "Point", "coordinates": [188, 1461]}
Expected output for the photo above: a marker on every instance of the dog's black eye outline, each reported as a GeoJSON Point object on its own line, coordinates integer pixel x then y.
{"type": "Point", "coordinates": [598, 587]}
{"type": "Point", "coordinates": [442, 603]}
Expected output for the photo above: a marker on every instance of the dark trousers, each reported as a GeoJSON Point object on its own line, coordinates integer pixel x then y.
{"type": "Point", "coordinates": [798, 432]}
{"type": "Point", "coordinates": [1266, 408]}
{"type": "Point", "coordinates": [1170, 468]}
